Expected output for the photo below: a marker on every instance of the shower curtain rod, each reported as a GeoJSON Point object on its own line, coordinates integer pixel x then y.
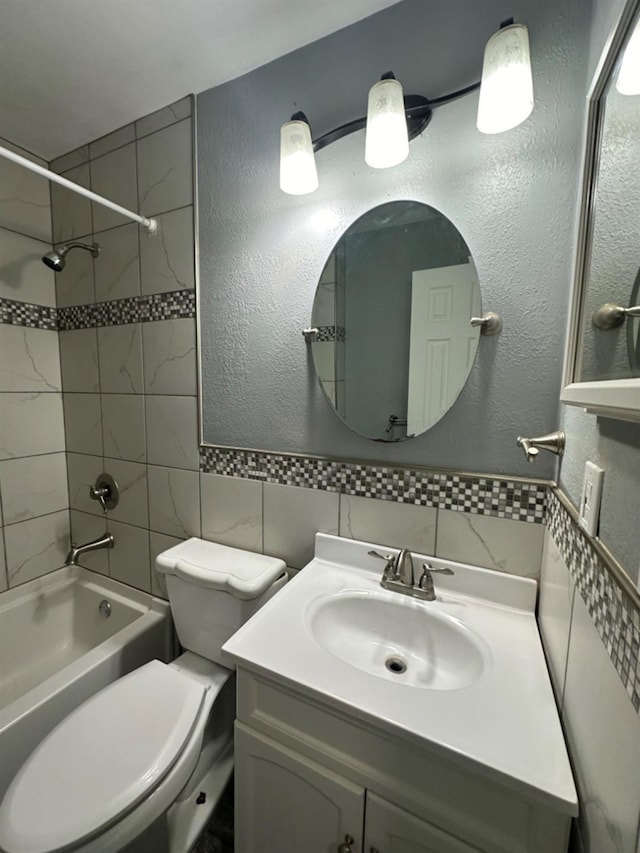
{"type": "Point", "coordinates": [150, 224]}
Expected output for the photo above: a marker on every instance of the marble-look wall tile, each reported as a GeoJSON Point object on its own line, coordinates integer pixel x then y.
{"type": "Point", "coordinates": [159, 542]}
{"type": "Point", "coordinates": [21, 420]}
{"type": "Point", "coordinates": [493, 543]}
{"type": "Point", "coordinates": [70, 160]}
{"type": "Point", "coordinates": [82, 471]}
{"type": "Point", "coordinates": [166, 258]}
{"type": "Point", "coordinates": [23, 276]}
{"type": "Point", "coordinates": [75, 283]}
{"type": "Point", "coordinates": [172, 431]}
{"type": "Point", "coordinates": [292, 517]}
{"type": "Point", "coordinates": [111, 141]}
{"type": "Point", "coordinates": [29, 359]}
{"type": "Point", "coordinates": [169, 348]}
{"type": "Point", "coordinates": [70, 212]}
{"type": "Point", "coordinates": [131, 478]}
{"type": "Point", "coordinates": [24, 198]}
{"type": "Point", "coordinates": [84, 528]}
{"type": "Point", "coordinates": [129, 557]}
{"type": "Point", "coordinates": [117, 268]}
{"type": "Point", "coordinates": [554, 612]}
{"type": "Point", "coordinates": [114, 176]}
{"type": "Point", "coordinates": [79, 357]}
{"type": "Point", "coordinates": [603, 733]}
{"type": "Point", "coordinates": [232, 511]}
{"type": "Point", "coordinates": [164, 117]}
{"type": "Point", "coordinates": [120, 349]}
{"type": "Point", "coordinates": [32, 486]}
{"type": "Point", "coordinates": [123, 426]}
{"type": "Point", "coordinates": [83, 423]}
{"type": "Point", "coordinates": [388, 523]}
{"type": "Point", "coordinates": [165, 180]}
{"type": "Point", "coordinates": [36, 547]}
{"type": "Point", "coordinates": [174, 501]}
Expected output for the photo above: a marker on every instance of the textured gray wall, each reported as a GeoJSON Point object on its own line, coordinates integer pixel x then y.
{"type": "Point", "coordinates": [512, 197]}
{"type": "Point", "coordinates": [614, 445]}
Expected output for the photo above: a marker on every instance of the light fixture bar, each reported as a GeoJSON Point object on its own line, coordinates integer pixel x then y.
{"type": "Point", "coordinates": [150, 224]}
{"type": "Point", "coordinates": [417, 108]}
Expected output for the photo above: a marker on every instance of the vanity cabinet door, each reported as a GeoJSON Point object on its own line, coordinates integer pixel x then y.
{"type": "Point", "coordinates": [286, 803]}
{"type": "Point", "coordinates": [389, 829]}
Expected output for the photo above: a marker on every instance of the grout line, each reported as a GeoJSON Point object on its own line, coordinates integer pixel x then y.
{"type": "Point", "coordinates": [6, 524]}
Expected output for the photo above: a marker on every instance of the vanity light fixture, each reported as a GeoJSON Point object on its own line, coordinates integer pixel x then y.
{"type": "Point", "coordinates": [394, 119]}
{"type": "Point", "coordinates": [628, 82]}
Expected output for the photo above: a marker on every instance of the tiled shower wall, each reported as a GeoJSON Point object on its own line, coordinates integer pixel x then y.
{"type": "Point", "coordinates": [34, 515]}
{"type": "Point", "coordinates": [127, 340]}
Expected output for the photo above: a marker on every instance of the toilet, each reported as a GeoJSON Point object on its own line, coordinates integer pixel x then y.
{"type": "Point", "coordinates": [140, 765]}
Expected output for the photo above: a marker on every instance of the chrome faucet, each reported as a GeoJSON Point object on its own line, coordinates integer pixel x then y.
{"type": "Point", "coordinates": [399, 575]}
{"type": "Point", "coordinates": [404, 567]}
{"type": "Point", "coordinates": [106, 541]}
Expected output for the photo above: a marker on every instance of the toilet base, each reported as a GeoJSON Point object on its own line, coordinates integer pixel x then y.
{"type": "Point", "coordinates": [178, 830]}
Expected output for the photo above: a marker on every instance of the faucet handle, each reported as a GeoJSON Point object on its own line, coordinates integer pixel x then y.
{"type": "Point", "coordinates": [390, 569]}
{"type": "Point", "coordinates": [427, 570]}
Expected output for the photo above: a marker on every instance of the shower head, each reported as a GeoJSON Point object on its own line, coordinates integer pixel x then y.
{"type": "Point", "coordinates": [55, 259]}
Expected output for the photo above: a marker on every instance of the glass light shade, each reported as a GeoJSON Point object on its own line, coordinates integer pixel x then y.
{"type": "Point", "coordinates": [506, 92]}
{"type": "Point", "coordinates": [628, 82]}
{"type": "Point", "coordinates": [387, 139]}
{"type": "Point", "coordinates": [298, 173]}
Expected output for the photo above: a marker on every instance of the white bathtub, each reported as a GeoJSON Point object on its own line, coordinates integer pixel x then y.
{"type": "Point", "coordinates": [56, 650]}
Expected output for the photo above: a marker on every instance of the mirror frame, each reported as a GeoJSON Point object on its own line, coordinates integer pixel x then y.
{"type": "Point", "coordinates": [614, 398]}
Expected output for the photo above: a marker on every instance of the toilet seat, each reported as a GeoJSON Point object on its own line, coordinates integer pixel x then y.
{"type": "Point", "coordinates": [102, 760]}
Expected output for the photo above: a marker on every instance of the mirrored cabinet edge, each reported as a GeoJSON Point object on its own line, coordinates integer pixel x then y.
{"type": "Point", "coordinates": [614, 398]}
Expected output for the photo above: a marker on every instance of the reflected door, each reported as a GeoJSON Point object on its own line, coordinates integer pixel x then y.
{"type": "Point", "coordinates": [442, 343]}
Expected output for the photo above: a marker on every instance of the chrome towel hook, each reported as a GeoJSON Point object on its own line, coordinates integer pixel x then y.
{"type": "Point", "coordinates": [553, 442]}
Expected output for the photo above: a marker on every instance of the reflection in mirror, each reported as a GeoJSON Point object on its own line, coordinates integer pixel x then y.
{"type": "Point", "coordinates": [613, 252]}
{"type": "Point", "coordinates": [394, 346]}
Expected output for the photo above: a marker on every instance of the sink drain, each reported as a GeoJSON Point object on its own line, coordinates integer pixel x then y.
{"type": "Point", "coordinates": [395, 665]}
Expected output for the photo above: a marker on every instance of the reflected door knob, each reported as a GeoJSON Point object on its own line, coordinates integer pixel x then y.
{"type": "Point", "coordinates": [345, 847]}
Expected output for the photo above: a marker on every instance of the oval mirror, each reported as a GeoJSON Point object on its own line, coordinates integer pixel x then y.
{"type": "Point", "coordinates": [394, 346]}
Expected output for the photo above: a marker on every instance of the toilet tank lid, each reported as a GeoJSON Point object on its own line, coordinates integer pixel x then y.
{"type": "Point", "coordinates": [242, 574]}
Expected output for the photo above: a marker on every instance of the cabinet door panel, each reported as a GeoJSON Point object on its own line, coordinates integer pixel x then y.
{"type": "Point", "coordinates": [288, 804]}
{"type": "Point", "coordinates": [392, 830]}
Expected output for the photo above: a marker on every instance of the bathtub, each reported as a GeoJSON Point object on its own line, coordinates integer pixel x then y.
{"type": "Point", "coordinates": [57, 649]}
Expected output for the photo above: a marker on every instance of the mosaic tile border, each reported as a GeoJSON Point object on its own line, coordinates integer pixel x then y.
{"type": "Point", "coordinates": [175, 305]}
{"type": "Point", "coordinates": [14, 313]}
{"type": "Point", "coordinates": [330, 333]}
{"type": "Point", "coordinates": [479, 495]}
{"type": "Point", "coordinates": [616, 617]}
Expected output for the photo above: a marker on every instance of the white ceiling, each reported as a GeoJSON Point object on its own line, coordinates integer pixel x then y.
{"type": "Point", "coordinates": [73, 70]}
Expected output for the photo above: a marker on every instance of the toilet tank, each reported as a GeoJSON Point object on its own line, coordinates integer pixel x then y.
{"type": "Point", "coordinates": [213, 589]}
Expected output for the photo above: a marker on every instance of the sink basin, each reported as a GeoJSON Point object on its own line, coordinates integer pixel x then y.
{"type": "Point", "coordinates": [404, 641]}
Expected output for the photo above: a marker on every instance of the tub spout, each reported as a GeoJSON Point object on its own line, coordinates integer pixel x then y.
{"type": "Point", "coordinates": [106, 541]}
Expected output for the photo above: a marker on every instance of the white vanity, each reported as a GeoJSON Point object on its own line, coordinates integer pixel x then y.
{"type": "Point", "coordinates": [374, 722]}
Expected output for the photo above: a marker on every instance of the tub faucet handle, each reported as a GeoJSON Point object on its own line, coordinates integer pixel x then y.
{"type": "Point", "coordinates": [106, 491]}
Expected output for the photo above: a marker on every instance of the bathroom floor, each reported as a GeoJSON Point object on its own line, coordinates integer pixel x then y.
{"type": "Point", "coordinates": [218, 836]}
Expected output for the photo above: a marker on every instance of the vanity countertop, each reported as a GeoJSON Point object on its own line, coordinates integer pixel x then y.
{"type": "Point", "coordinates": [504, 722]}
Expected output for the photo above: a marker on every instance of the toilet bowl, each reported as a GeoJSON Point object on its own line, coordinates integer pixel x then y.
{"type": "Point", "coordinates": [141, 765]}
